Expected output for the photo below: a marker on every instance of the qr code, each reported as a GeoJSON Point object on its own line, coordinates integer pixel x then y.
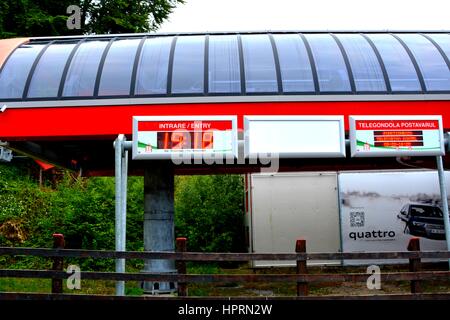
{"type": "Point", "coordinates": [357, 219]}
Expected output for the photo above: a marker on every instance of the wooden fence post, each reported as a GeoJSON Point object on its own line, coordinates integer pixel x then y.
{"type": "Point", "coordinates": [181, 266]}
{"type": "Point", "coordinates": [415, 264]}
{"type": "Point", "coordinates": [302, 287]}
{"type": "Point", "coordinates": [58, 243]}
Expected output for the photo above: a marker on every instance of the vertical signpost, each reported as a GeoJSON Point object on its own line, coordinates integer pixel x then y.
{"type": "Point", "coordinates": [443, 189]}
{"type": "Point", "coordinates": [396, 136]}
{"type": "Point", "coordinates": [121, 172]}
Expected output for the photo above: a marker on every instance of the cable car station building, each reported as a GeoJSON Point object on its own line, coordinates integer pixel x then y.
{"type": "Point", "coordinates": [65, 100]}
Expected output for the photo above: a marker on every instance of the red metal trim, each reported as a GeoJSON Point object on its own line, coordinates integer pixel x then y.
{"type": "Point", "coordinates": [108, 121]}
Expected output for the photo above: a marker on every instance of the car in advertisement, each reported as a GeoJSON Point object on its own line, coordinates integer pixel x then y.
{"type": "Point", "coordinates": [423, 220]}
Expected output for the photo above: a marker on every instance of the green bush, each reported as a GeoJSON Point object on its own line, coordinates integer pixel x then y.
{"type": "Point", "coordinates": [209, 211]}
{"type": "Point", "coordinates": [81, 209]}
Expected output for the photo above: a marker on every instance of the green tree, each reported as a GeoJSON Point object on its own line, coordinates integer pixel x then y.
{"type": "Point", "coordinates": [125, 16]}
{"type": "Point", "coordinates": [49, 17]}
{"type": "Point", "coordinates": [35, 18]}
{"type": "Point", "coordinates": [209, 211]}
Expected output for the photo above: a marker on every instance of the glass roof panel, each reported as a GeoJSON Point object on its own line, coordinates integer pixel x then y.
{"type": "Point", "coordinates": [47, 75]}
{"type": "Point", "coordinates": [117, 70]}
{"type": "Point", "coordinates": [443, 40]}
{"type": "Point", "coordinates": [82, 73]}
{"type": "Point", "coordinates": [224, 67]}
{"type": "Point", "coordinates": [259, 64]}
{"type": "Point", "coordinates": [188, 65]}
{"type": "Point", "coordinates": [15, 72]}
{"type": "Point", "coordinates": [399, 67]}
{"type": "Point", "coordinates": [330, 65]}
{"type": "Point", "coordinates": [434, 70]}
{"type": "Point", "coordinates": [365, 66]}
{"type": "Point", "coordinates": [153, 66]}
{"type": "Point", "coordinates": [295, 67]}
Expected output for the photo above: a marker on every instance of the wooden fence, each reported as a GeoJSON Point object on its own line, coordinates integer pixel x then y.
{"type": "Point", "coordinates": [415, 275]}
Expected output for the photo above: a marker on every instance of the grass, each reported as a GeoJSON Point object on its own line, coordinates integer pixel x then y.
{"type": "Point", "coordinates": [45, 286]}
{"type": "Point", "coordinates": [318, 289]}
{"type": "Point", "coordinates": [133, 288]}
{"type": "Point", "coordinates": [24, 285]}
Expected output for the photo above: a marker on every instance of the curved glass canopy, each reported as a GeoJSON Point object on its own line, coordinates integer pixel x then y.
{"type": "Point", "coordinates": [227, 64]}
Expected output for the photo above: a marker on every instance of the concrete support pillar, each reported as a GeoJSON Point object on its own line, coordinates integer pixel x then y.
{"type": "Point", "coordinates": [159, 234]}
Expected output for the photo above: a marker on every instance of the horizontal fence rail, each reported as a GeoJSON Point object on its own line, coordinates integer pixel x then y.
{"type": "Point", "coordinates": [201, 256]}
{"type": "Point", "coordinates": [301, 277]}
{"type": "Point", "coordinates": [198, 278]}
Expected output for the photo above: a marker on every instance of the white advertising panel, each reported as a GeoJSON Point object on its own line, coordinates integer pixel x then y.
{"type": "Point", "coordinates": [295, 136]}
{"type": "Point", "coordinates": [391, 136]}
{"type": "Point", "coordinates": [382, 211]}
{"type": "Point", "coordinates": [162, 137]}
{"type": "Point", "coordinates": [289, 206]}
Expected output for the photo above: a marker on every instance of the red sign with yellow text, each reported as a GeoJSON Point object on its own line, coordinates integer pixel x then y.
{"type": "Point", "coordinates": [392, 136]}
{"type": "Point", "coordinates": [161, 137]}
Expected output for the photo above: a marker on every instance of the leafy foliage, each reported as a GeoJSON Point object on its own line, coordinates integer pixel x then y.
{"type": "Point", "coordinates": [208, 210]}
{"type": "Point", "coordinates": [124, 16]}
{"type": "Point", "coordinates": [34, 18]}
{"type": "Point", "coordinates": [49, 17]}
{"type": "Point", "coordinates": [82, 210]}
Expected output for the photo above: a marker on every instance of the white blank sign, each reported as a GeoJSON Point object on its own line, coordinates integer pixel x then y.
{"type": "Point", "coordinates": [295, 136]}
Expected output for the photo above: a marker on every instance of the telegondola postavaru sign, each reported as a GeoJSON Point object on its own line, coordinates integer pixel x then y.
{"type": "Point", "coordinates": [162, 137]}
{"type": "Point", "coordinates": [390, 136]}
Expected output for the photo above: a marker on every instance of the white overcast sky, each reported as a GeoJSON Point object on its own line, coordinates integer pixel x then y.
{"type": "Point", "coordinates": [251, 15]}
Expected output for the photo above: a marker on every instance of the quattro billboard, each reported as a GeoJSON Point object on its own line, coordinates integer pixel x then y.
{"type": "Point", "coordinates": [382, 211]}
{"type": "Point", "coordinates": [368, 211]}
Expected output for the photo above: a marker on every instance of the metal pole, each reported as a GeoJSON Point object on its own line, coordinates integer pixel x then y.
{"type": "Point", "coordinates": [120, 285]}
{"type": "Point", "coordinates": [123, 215]}
{"type": "Point", "coordinates": [443, 189]}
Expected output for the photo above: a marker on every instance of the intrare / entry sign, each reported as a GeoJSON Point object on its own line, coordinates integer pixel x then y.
{"type": "Point", "coordinates": [391, 136]}
{"type": "Point", "coordinates": [161, 137]}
